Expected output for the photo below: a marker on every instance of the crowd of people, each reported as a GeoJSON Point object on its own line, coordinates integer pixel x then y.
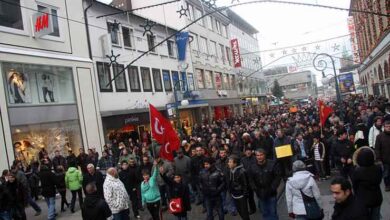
{"type": "Point", "coordinates": [222, 167]}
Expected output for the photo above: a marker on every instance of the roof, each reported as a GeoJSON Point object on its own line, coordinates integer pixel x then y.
{"type": "Point", "coordinates": [239, 22]}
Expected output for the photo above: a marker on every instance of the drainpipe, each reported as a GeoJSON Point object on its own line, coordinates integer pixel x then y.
{"type": "Point", "coordinates": [87, 29]}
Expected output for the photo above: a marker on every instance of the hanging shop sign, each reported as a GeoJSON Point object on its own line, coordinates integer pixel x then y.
{"type": "Point", "coordinates": [132, 120]}
{"type": "Point", "coordinates": [236, 53]}
{"type": "Point", "coordinates": [181, 41]}
{"type": "Point", "coordinates": [42, 23]}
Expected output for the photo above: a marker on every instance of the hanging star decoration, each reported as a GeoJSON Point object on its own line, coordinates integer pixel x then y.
{"type": "Point", "coordinates": [183, 11]}
{"type": "Point", "coordinates": [148, 27]}
{"type": "Point", "coordinates": [112, 58]}
{"type": "Point", "coordinates": [284, 52]}
{"type": "Point", "coordinates": [336, 47]}
{"type": "Point", "coordinates": [318, 47]}
{"type": "Point", "coordinates": [210, 3]}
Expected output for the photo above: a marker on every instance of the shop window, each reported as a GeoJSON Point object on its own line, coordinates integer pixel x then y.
{"type": "Point", "coordinates": [218, 81]}
{"type": "Point", "coordinates": [190, 81]}
{"type": "Point", "coordinates": [184, 81]}
{"type": "Point", "coordinates": [157, 80]}
{"type": "Point", "coordinates": [151, 42]}
{"type": "Point", "coordinates": [104, 75]}
{"type": "Point", "coordinates": [175, 79]}
{"type": "Point", "coordinates": [171, 51]}
{"type": "Point", "coordinates": [120, 80]}
{"type": "Point", "coordinates": [200, 78]}
{"type": "Point", "coordinates": [146, 81]}
{"type": "Point", "coordinates": [35, 84]}
{"type": "Point", "coordinates": [30, 139]}
{"type": "Point", "coordinates": [11, 14]}
{"type": "Point", "coordinates": [167, 80]}
{"type": "Point", "coordinates": [127, 37]}
{"type": "Point", "coordinates": [54, 17]}
{"type": "Point", "coordinates": [134, 79]}
{"type": "Point", "coordinates": [113, 30]}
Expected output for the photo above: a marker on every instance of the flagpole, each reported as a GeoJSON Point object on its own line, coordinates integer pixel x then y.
{"type": "Point", "coordinates": [151, 133]}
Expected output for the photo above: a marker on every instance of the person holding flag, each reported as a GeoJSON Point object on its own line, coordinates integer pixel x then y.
{"type": "Point", "coordinates": [324, 112]}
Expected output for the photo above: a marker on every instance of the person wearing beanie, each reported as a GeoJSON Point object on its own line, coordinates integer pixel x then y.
{"type": "Point", "coordinates": [382, 150]}
{"type": "Point", "coordinates": [302, 181]}
{"type": "Point", "coordinates": [366, 180]}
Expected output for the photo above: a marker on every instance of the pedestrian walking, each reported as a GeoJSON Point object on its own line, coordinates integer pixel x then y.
{"type": "Point", "coordinates": [150, 192]}
{"type": "Point", "coordinates": [130, 176]}
{"type": "Point", "coordinates": [382, 149]}
{"type": "Point", "coordinates": [247, 162]}
{"type": "Point", "coordinates": [19, 197]}
{"type": "Point", "coordinates": [5, 202]}
{"type": "Point", "coordinates": [375, 130]}
{"type": "Point", "coordinates": [73, 181]}
{"type": "Point", "coordinates": [318, 151]}
{"type": "Point", "coordinates": [95, 176]}
{"type": "Point", "coordinates": [61, 187]}
{"type": "Point", "coordinates": [94, 207]}
{"type": "Point", "coordinates": [116, 196]}
{"type": "Point", "coordinates": [343, 152]}
{"type": "Point", "coordinates": [48, 184]}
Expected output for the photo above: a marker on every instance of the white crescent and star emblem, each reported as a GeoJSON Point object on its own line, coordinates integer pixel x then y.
{"type": "Point", "coordinates": [173, 206]}
{"type": "Point", "coordinates": [166, 147]}
{"type": "Point", "coordinates": [158, 130]}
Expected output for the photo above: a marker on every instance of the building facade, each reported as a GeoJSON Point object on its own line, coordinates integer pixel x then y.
{"type": "Point", "coordinates": [48, 97]}
{"type": "Point", "coordinates": [373, 38]}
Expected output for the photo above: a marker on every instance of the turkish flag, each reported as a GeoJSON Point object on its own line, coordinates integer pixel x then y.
{"type": "Point", "coordinates": [164, 134]}
{"type": "Point", "coordinates": [324, 112]}
{"type": "Point", "coordinates": [175, 206]}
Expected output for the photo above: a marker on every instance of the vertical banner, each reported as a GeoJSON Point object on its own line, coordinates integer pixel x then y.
{"type": "Point", "coordinates": [236, 53]}
{"type": "Point", "coordinates": [346, 83]}
{"type": "Point", "coordinates": [181, 42]}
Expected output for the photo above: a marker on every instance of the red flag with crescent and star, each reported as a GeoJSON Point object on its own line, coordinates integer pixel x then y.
{"type": "Point", "coordinates": [324, 112]}
{"type": "Point", "coordinates": [163, 133]}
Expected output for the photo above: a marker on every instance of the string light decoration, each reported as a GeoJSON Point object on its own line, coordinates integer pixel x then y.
{"type": "Point", "coordinates": [148, 27]}
{"type": "Point", "coordinates": [112, 58]}
{"type": "Point", "coordinates": [183, 11]}
{"type": "Point", "coordinates": [336, 47]}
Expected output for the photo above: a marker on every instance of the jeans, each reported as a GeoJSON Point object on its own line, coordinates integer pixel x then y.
{"type": "Point", "coordinates": [63, 199]}
{"type": "Point", "coordinates": [74, 193]}
{"type": "Point", "coordinates": [242, 207]}
{"type": "Point", "coordinates": [122, 215]}
{"type": "Point", "coordinates": [134, 201]}
{"type": "Point", "coordinates": [386, 174]}
{"type": "Point", "coordinates": [319, 165]}
{"type": "Point", "coordinates": [154, 209]}
{"type": "Point", "coordinates": [163, 193]}
{"type": "Point", "coordinates": [5, 215]}
{"type": "Point", "coordinates": [251, 201]}
{"type": "Point", "coordinates": [268, 207]}
{"type": "Point", "coordinates": [227, 202]}
{"type": "Point", "coordinates": [51, 207]}
{"type": "Point", "coordinates": [181, 218]}
{"type": "Point", "coordinates": [214, 203]}
{"type": "Point", "coordinates": [33, 204]}
{"type": "Point", "coordinates": [374, 213]}
{"type": "Point", "coordinates": [300, 217]}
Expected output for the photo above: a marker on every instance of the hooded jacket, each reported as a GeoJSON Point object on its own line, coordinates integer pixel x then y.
{"type": "Point", "coordinates": [115, 194]}
{"type": "Point", "coordinates": [366, 179]}
{"type": "Point", "coordinates": [73, 179]}
{"type": "Point", "coordinates": [265, 178]}
{"type": "Point", "coordinates": [48, 182]}
{"type": "Point", "coordinates": [301, 180]}
{"type": "Point", "coordinates": [150, 192]}
{"type": "Point", "coordinates": [374, 132]}
{"type": "Point", "coordinates": [212, 181]}
{"type": "Point", "coordinates": [95, 208]}
{"type": "Point", "coordinates": [238, 182]}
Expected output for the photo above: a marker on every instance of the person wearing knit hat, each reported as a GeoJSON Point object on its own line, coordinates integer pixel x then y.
{"type": "Point", "coordinates": [302, 182]}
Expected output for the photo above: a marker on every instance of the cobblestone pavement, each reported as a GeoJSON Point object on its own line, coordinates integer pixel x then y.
{"type": "Point", "coordinates": [196, 212]}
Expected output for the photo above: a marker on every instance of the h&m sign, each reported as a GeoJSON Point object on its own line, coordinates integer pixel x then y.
{"type": "Point", "coordinates": [236, 53]}
{"type": "Point", "coordinates": [42, 23]}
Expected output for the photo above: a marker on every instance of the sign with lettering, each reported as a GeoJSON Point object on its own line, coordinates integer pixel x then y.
{"type": "Point", "coordinates": [236, 53]}
{"type": "Point", "coordinates": [131, 120]}
{"type": "Point", "coordinates": [42, 23]}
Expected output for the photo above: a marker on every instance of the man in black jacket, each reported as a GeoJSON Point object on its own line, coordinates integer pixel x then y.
{"type": "Point", "coordinates": [212, 182]}
{"type": "Point", "coordinates": [94, 176]}
{"type": "Point", "coordinates": [196, 167]}
{"type": "Point", "coordinates": [264, 178]}
{"type": "Point", "coordinates": [59, 160]}
{"type": "Point", "coordinates": [382, 150]}
{"type": "Point", "coordinates": [48, 184]}
{"type": "Point", "coordinates": [238, 186]}
{"type": "Point", "coordinates": [247, 161]}
{"type": "Point", "coordinates": [130, 176]}
{"type": "Point", "coordinates": [5, 205]}
{"type": "Point", "coordinates": [343, 152]}
{"type": "Point", "coordinates": [347, 206]}
{"type": "Point", "coordinates": [94, 207]}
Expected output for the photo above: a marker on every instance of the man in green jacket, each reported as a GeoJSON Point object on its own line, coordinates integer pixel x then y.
{"type": "Point", "coordinates": [73, 181]}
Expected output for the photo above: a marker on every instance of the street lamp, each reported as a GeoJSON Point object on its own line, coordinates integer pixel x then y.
{"type": "Point", "coordinates": [321, 65]}
{"type": "Point", "coordinates": [183, 102]}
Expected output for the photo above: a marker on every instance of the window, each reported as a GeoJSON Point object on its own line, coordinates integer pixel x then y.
{"type": "Point", "coordinates": [209, 79]}
{"type": "Point", "coordinates": [104, 76]}
{"type": "Point", "coordinates": [190, 81]}
{"type": "Point", "coordinates": [223, 57]}
{"type": "Point", "coordinates": [217, 26]}
{"type": "Point", "coordinates": [175, 79]}
{"type": "Point", "coordinates": [190, 11]}
{"type": "Point", "coordinates": [134, 79]}
{"type": "Point", "coordinates": [167, 80]}
{"type": "Point", "coordinates": [184, 81]}
{"type": "Point", "coordinates": [113, 31]}
{"type": "Point", "coordinates": [209, 22]}
{"type": "Point", "coordinates": [198, 13]}
{"type": "Point", "coordinates": [228, 51]}
{"type": "Point", "coordinates": [11, 14]}
{"type": "Point", "coordinates": [203, 45]}
{"type": "Point", "coordinates": [127, 37]}
{"type": "Point", "coordinates": [146, 81]}
{"type": "Point", "coordinates": [157, 80]}
{"type": "Point", "coordinates": [171, 51]}
{"type": "Point", "coordinates": [151, 42]}
{"type": "Point", "coordinates": [226, 84]}
{"type": "Point", "coordinates": [218, 81]}
{"type": "Point", "coordinates": [213, 48]}
{"type": "Point", "coordinates": [232, 82]}
{"type": "Point", "coordinates": [200, 78]}
{"type": "Point", "coordinates": [224, 30]}
{"type": "Point", "coordinates": [120, 80]}
{"type": "Point", "coordinates": [194, 44]}
{"type": "Point", "coordinates": [54, 17]}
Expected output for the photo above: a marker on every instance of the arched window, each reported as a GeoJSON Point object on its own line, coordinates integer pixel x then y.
{"type": "Point", "coordinates": [386, 69]}
{"type": "Point", "coordinates": [380, 72]}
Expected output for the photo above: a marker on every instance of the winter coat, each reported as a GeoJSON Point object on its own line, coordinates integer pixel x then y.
{"type": "Point", "coordinates": [178, 190]}
{"type": "Point", "coordinates": [342, 149]}
{"type": "Point", "coordinates": [196, 165]}
{"type": "Point", "coordinates": [48, 182]}
{"type": "Point", "coordinates": [238, 185]}
{"type": "Point", "coordinates": [73, 179]}
{"type": "Point", "coordinates": [382, 147]}
{"type": "Point", "coordinates": [115, 194]}
{"type": "Point", "coordinates": [95, 208]}
{"type": "Point", "coordinates": [82, 161]}
{"type": "Point", "coordinates": [150, 192]}
{"type": "Point", "coordinates": [168, 169]}
{"type": "Point", "coordinates": [60, 160]}
{"type": "Point", "coordinates": [96, 178]}
{"type": "Point", "coordinates": [212, 182]}
{"type": "Point", "coordinates": [131, 178]}
{"type": "Point", "coordinates": [71, 160]}
{"type": "Point", "coordinates": [301, 180]}
{"type": "Point", "coordinates": [248, 161]}
{"type": "Point", "coordinates": [60, 180]}
{"type": "Point", "coordinates": [366, 179]}
{"type": "Point", "coordinates": [321, 150]}
{"type": "Point", "coordinates": [350, 209]}
{"type": "Point", "coordinates": [374, 132]}
{"type": "Point", "coordinates": [105, 163]}
{"type": "Point", "coordinates": [19, 194]}
{"type": "Point", "coordinates": [5, 198]}
{"type": "Point", "coordinates": [183, 167]}
{"type": "Point", "coordinates": [265, 178]}
{"type": "Point", "coordinates": [298, 151]}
